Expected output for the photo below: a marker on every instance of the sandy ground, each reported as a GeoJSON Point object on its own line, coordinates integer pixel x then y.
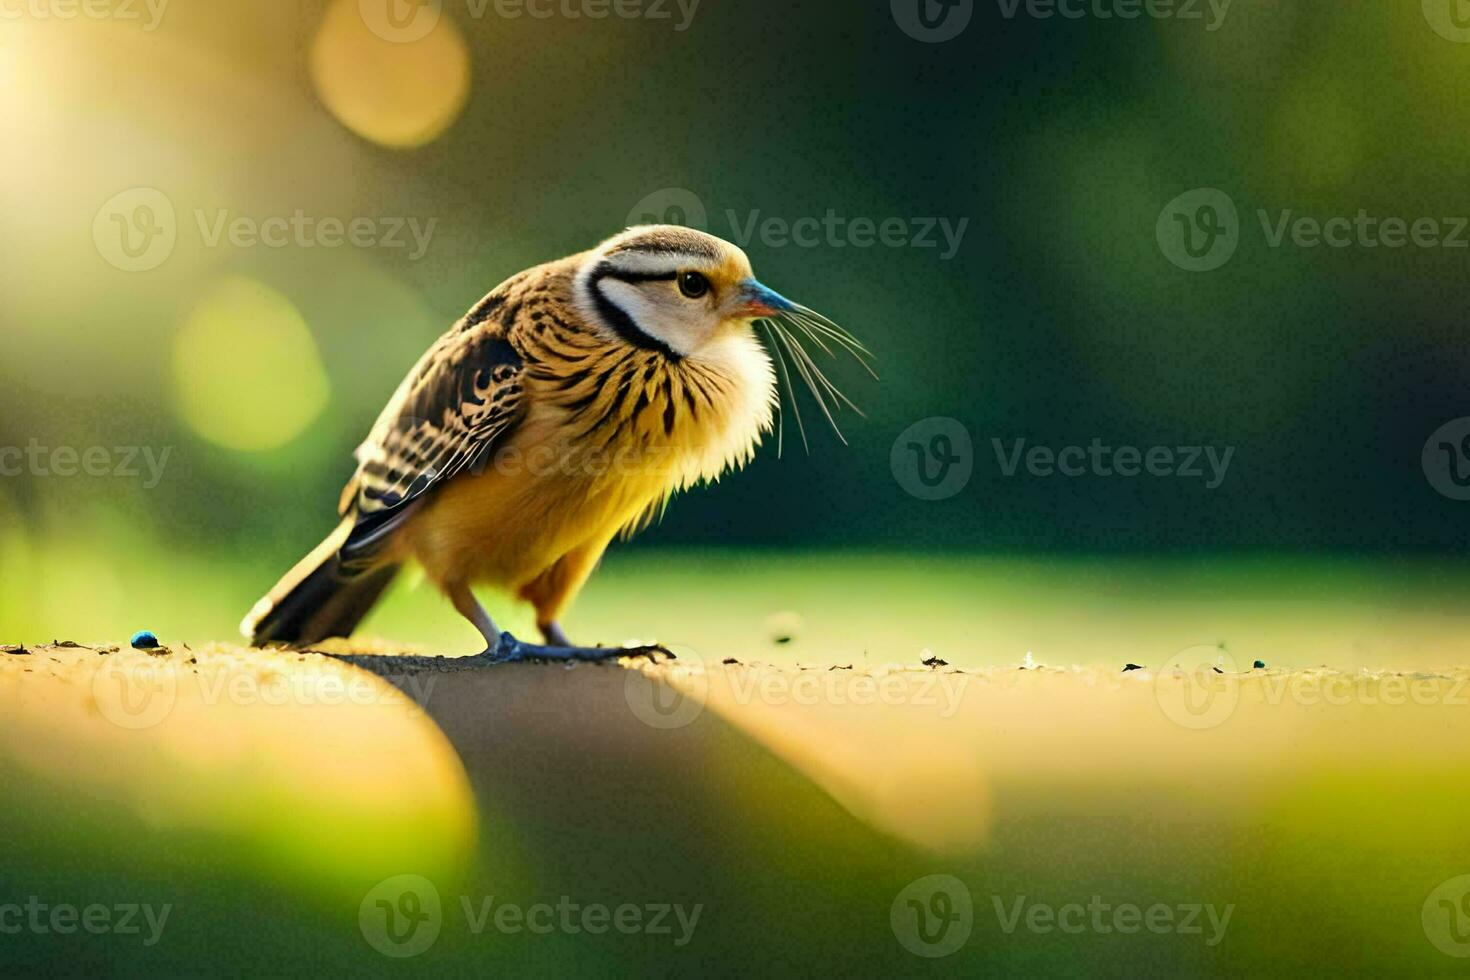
{"type": "Point", "coordinates": [1204, 780]}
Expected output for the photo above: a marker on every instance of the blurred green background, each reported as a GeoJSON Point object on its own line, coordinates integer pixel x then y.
{"type": "Point", "coordinates": [512, 140]}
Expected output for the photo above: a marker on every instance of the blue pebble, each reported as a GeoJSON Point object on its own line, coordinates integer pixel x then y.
{"type": "Point", "coordinates": [144, 640]}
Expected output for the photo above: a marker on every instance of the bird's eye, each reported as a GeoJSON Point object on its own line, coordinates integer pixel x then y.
{"type": "Point", "coordinates": [693, 284]}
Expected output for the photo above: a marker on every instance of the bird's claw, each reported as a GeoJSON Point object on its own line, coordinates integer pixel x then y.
{"type": "Point", "coordinates": [652, 652]}
{"type": "Point", "coordinates": [508, 649]}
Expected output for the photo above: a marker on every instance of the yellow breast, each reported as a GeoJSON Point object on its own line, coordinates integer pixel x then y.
{"type": "Point", "coordinates": [594, 456]}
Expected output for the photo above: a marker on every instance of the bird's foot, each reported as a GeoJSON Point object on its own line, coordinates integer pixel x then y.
{"type": "Point", "coordinates": [508, 650]}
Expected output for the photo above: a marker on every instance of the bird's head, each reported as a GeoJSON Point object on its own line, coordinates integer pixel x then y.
{"type": "Point", "coordinates": [672, 289]}
{"type": "Point", "coordinates": [677, 291]}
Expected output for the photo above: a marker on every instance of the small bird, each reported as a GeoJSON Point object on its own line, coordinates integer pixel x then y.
{"type": "Point", "coordinates": [565, 407]}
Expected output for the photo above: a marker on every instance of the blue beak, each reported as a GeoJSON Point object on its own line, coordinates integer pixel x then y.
{"type": "Point", "coordinates": [757, 301]}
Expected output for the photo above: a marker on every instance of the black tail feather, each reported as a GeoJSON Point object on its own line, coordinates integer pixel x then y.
{"type": "Point", "coordinates": [318, 598]}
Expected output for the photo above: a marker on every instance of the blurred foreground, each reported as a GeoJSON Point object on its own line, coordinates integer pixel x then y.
{"type": "Point", "coordinates": [282, 812]}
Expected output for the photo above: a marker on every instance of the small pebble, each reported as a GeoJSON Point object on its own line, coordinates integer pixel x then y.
{"type": "Point", "coordinates": [783, 626]}
{"type": "Point", "coordinates": [1259, 665]}
{"type": "Point", "coordinates": [144, 640]}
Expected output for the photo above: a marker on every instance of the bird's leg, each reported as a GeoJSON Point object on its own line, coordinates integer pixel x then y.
{"type": "Point", "coordinates": [504, 648]}
{"type": "Point", "coordinates": [554, 635]}
{"type": "Point", "coordinates": [469, 607]}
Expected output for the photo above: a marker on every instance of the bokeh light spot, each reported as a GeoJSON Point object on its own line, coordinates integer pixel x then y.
{"type": "Point", "coordinates": [394, 91]}
{"type": "Point", "coordinates": [247, 374]}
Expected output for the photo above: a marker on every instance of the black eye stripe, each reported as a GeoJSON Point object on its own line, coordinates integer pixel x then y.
{"type": "Point", "coordinates": [619, 320]}
{"type": "Point", "coordinates": [637, 277]}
